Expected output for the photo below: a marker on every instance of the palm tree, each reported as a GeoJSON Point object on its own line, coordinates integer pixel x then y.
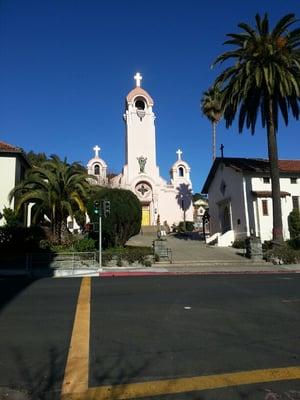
{"type": "Point", "coordinates": [57, 189]}
{"type": "Point", "coordinates": [211, 106]}
{"type": "Point", "coordinates": [264, 77]}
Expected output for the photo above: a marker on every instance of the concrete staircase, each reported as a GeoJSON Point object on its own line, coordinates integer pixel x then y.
{"type": "Point", "coordinates": [149, 230]}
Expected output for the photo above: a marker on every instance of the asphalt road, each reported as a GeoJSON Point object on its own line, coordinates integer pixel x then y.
{"type": "Point", "coordinates": [154, 329]}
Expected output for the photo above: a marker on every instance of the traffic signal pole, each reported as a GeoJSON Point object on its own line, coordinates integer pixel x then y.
{"type": "Point", "coordinates": [104, 208]}
{"type": "Point", "coordinates": [100, 242]}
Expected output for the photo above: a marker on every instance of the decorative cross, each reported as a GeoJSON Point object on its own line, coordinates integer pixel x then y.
{"type": "Point", "coordinates": [222, 148]}
{"type": "Point", "coordinates": [96, 150]}
{"type": "Point", "coordinates": [142, 190]}
{"type": "Point", "coordinates": [138, 77]}
{"type": "Point", "coordinates": [179, 152]}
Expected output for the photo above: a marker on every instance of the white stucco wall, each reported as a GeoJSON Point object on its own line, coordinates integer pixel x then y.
{"type": "Point", "coordinates": [169, 206]}
{"type": "Point", "coordinates": [233, 194]}
{"type": "Point", "coordinates": [264, 223]}
{"type": "Point", "coordinates": [140, 141]}
{"type": "Point", "coordinates": [239, 187]}
{"type": "Point", "coordinates": [7, 179]}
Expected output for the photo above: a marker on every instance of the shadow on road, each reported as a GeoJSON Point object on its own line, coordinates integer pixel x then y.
{"type": "Point", "coordinates": [17, 273]}
{"type": "Point", "coordinates": [11, 287]}
{"type": "Point", "coordinates": [41, 382]}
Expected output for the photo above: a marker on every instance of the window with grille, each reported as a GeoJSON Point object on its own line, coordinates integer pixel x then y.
{"type": "Point", "coordinates": [295, 200]}
{"type": "Point", "coordinates": [265, 207]}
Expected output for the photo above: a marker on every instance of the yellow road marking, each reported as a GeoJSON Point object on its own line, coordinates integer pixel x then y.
{"type": "Point", "coordinates": [75, 384]}
{"type": "Point", "coordinates": [184, 385]}
{"type": "Point", "coordinates": [77, 369]}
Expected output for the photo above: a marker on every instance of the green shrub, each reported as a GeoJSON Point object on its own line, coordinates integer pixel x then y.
{"type": "Point", "coordinates": [239, 244]}
{"type": "Point", "coordinates": [294, 223]}
{"type": "Point", "coordinates": [106, 258]}
{"type": "Point", "coordinates": [136, 254]}
{"type": "Point", "coordinates": [45, 244]}
{"type": "Point", "coordinates": [12, 219]}
{"type": "Point", "coordinates": [294, 243]}
{"type": "Point", "coordinates": [20, 240]}
{"type": "Point", "coordinates": [119, 261]}
{"type": "Point", "coordinates": [267, 245]}
{"type": "Point", "coordinates": [147, 263]}
{"type": "Point", "coordinates": [124, 220]}
{"type": "Point", "coordinates": [129, 254]}
{"type": "Point", "coordinates": [284, 254]}
{"type": "Point", "coordinates": [85, 244]}
{"type": "Point", "coordinates": [187, 226]}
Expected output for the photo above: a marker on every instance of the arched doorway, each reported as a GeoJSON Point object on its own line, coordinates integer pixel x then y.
{"type": "Point", "coordinates": [145, 214]}
{"type": "Point", "coordinates": [226, 219]}
{"type": "Point", "coordinates": [143, 191]}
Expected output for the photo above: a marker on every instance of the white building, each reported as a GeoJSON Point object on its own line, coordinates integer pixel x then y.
{"type": "Point", "coordinates": [240, 202]}
{"type": "Point", "coordinates": [13, 165]}
{"type": "Point", "coordinates": [161, 200]}
{"type": "Point", "coordinates": [200, 207]}
{"type": "Point", "coordinates": [97, 167]}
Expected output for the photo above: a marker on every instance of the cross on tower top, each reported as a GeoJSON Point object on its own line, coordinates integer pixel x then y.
{"type": "Point", "coordinates": [179, 152]}
{"type": "Point", "coordinates": [138, 77]}
{"type": "Point", "coordinates": [96, 150]}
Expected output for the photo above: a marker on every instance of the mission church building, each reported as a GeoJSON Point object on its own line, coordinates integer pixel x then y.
{"type": "Point", "coordinates": [161, 200]}
{"type": "Point", "coordinates": [240, 198]}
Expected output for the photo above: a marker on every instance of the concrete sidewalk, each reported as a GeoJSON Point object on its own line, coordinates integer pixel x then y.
{"type": "Point", "coordinates": [195, 257]}
{"type": "Point", "coordinates": [190, 251]}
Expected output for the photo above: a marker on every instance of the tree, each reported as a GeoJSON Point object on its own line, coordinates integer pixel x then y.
{"type": "Point", "coordinates": [12, 219]}
{"type": "Point", "coordinates": [199, 196]}
{"type": "Point", "coordinates": [264, 77]}
{"type": "Point", "coordinates": [36, 159]}
{"type": "Point", "coordinates": [211, 106]}
{"type": "Point", "coordinates": [124, 219]}
{"type": "Point", "coordinates": [57, 188]}
{"type": "Point", "coordinates": [294, 223]}
{"type": "Point", "coordinates": [184, 199]}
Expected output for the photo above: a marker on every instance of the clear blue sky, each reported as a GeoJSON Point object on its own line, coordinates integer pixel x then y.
{"type": "Point", "coordinates": [67, 65]}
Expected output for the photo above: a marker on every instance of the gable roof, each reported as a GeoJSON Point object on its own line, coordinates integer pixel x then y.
{"type": "Point", "coordinates": [5, 147]}
{"type": "Point", "coordinates": [252, 165]}
{"type": "Point", "coordinates": [10, 149]}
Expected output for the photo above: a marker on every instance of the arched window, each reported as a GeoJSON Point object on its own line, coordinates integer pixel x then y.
{"type": "Point", "coordinates": [140, 105]}
{"type": "Point", "coordinates": [97, 170]}
{"type": "Point", "coordinates": [181, 171]}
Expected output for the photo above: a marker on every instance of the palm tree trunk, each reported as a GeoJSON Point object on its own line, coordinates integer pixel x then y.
{"type": "Point", "coordinates": [274, 171]}
{"type": "Point", "coordinates": [214, 128]}
{"type": "Point", "coordinates": [64, 230]}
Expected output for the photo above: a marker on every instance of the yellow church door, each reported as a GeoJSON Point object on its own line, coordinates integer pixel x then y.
{"type": "Point", "coordinates": [145, 215]}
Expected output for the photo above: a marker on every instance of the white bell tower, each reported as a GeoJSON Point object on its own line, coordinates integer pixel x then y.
{"type": "Point", "coordinates": [140, 152]}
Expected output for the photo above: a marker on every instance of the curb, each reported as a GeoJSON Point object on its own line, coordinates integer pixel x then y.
{"type": "Point", "coordinates": [122, 274]}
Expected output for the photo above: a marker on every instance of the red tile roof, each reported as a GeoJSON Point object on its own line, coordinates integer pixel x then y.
{"type": "Point", "coordinates": [267, 193]}
{"type": "Point", "coordinates": [250, 165]}
{"type": "Point", "coordinates": [9, 148]}
{"type": "Point", "coordinates": [289, 165]}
